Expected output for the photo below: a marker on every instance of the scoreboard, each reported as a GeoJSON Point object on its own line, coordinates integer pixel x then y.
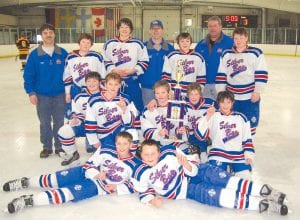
{"type": "Point", "coordinates": [233, 21]}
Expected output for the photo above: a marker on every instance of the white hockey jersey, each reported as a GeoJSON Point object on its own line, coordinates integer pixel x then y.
{"type": "Point", "coordinates": [79, 104]}
{"type": "Point", "coordinates": [77, 67]}
{"type": "Point", "coordinates": [130, 54]}
{"type": "Point", "coordinates": [152, 122]}
{"type": "Point", "coordinates": [242, 73]}
{"type": "Point", "coordinates": [167, 178]}
{"type": "Point", "coordinates": [230, 135]}
{"type": "Point", "coordinates": [193, 67]}
{"type": "Point", "coordinates": [118, 171]}
{"type": "Point", "coordinates": [105, 116]}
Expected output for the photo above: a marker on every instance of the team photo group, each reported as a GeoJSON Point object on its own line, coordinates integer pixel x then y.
{"type": "Point", "coordinates": [158, 122]}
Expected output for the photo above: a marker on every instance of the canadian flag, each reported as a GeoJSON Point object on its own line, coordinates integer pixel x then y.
{"type": "Point", "coordinates": [98, 21]}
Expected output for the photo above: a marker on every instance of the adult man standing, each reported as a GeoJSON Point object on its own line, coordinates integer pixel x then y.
{"type": "Point", "coordinates": [211, 49]}
{"type": "Point", "coordinates": [43, 82]}
{"type": "Point", "coordinates": [157, 48]}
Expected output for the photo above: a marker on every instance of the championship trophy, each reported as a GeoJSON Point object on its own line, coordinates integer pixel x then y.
{"type": "Point", "coordinates": [175, 112]}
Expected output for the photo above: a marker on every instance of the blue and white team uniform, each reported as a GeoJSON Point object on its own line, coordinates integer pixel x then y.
{"type": "Point", "coordinates": [77, 67]}
{"type": "Point", "coordinates": [192, 65]}
{"type": "Point", "coordinates": [231, 141]}
{"type": "Point", "coordinates": [207, 184]}
{"type": "Point", "coordinates": [105, 119]}
{"type": "Point", "coordinates": [130, 54]}
{"type": "Point", "coordinates": [79, 183]}
{"type": "Point", "coordinates": [192, 115]}
{"type": "Point", "coordinates": [152, 122]}
{"type": "Point", "coordinates": [243, 73]}
{"type": "Point", "coordinates": [68, 133]}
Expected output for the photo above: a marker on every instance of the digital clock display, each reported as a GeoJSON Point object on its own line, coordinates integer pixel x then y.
{"type": "Point", "coordinates": [233, 21]}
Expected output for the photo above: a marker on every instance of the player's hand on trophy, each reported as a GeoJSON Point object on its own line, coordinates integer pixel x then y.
{"type": "Point", "coordinates": [255, 97]}
{"type": "Point", "coordinates": [68, 98]}
{"type": "Point", "coordinates": [33, 99]}
{"type": "Point", "coordinates": [181, 130]}
{"type": "Point", "coordinates": [152, 105]}
{"type": "Point", "coordinates": [163, 132]}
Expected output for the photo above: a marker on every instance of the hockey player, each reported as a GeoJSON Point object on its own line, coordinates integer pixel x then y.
{"type": "Point", "coordinates": [78, 64]}
{"type": "Point", "coordinates": [167, 174]}
{"type": "Point", "coordinates": [128, 58]}
{"type": "Point", "coordinates": [187, 60]}
{"type": "Point", "coordinates": [75, 127]}
{"type": "Point", "coordinates": [196, 107]}
{"type": "Point", "coordinates": [230, 134]}
{"type": "Point", "coordinates": [154, 124]}
{"type": "Point", "coordinates": [110, 112]}
{"type": "Point", "coordinates": [243, 71]}
{"type": "Point", "coordinates": [107, 171]}
{"type": "Point", "coordinates": [23, 46]}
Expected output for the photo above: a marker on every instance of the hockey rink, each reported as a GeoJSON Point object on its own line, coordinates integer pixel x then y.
{"type": "Point", "coordinates": [277, 159]}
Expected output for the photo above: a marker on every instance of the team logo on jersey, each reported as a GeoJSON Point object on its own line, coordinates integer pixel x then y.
{"type": "Point", "coordinates": [82, 70]}
{"type": "Point", "coordinates": [122, 56]}
{"type": "Point", "coordinates": [77, 187]}
{"type": "Point", "coordinates": [64, 172]}
{"type": "Point", "coordinates": [219, 50]}
{"type": "Point", "coordinates": [230, 131]}
{"type": "Point", "coordinates": [211, 192]}
{"type": "Point", "coordinates": [113, 171]}
{"type": "Point", "coordinates": [188, 66]}
{"type": "Point", "coordinates": [237, 66]}
{"type": "Point", "coordinates": [163, 175]}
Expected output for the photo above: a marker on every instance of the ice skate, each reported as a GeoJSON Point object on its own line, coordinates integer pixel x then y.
{"type": "Point", "coordinates": [271, 206]}
{"type": "Point", "coordinates": [16, 184]}
{"type": "Point", "coordinates": [272, 194]}
{"type": "Point", "coordinates": [70, 159]}
{"type": "Point", "coordinates": [20, 203]}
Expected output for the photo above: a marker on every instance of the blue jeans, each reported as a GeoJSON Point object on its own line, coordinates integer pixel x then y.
{"type": "Point", "coordinates": [50, 110]}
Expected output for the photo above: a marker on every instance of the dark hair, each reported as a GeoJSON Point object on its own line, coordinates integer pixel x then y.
{"type": "Point", "coordinates": [150, 142]}
{"type": "Point", "coordinates": [192, 87]}
{"type": "Point", "coordinates": [113, 76]}
{"type": "Point", "coordinates": [85, 36]}
{"type": "Point", "coordinates": [240, 31]}
{"type": "Point", "coordinates": [184, 36]}
{"type": "Point", "coordinates": [225, 95]}
{"type": "Point", "coordinates": [126, 135]}
{"type": "Point", "coordinates": [125, 21]}
{"type": "Point", "coordinates": [47, 26]}
{"type": "Point", "coordinates": [93, 75]}
{"type": "Point", "coordinates": [162, 83]}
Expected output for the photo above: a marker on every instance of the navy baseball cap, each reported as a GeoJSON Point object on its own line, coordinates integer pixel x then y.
{"type": "Point", "coordinates": [156, 23]}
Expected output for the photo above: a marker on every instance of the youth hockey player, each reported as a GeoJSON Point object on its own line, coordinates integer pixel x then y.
{"type": "Point", "coordinates": [127, 57]}
{"type": "Point", "coordinates": [167, 174]}
{"type": "Point", "coordinates": [110, 112]}
{"type": "Point", "coordinates": [243, 71]}
{"type": "Point", "coordinates": [230, 134]}
{"type": "Point", "coordinates": [75, 127]}
{"type": "Point", "coordinates": [107, 171]}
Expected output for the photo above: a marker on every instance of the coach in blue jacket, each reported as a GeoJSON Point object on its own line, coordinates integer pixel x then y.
{"type": "Point", "coordinates": [43, 82]}
{"type": "Point", "coordinates": [211, 48]}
